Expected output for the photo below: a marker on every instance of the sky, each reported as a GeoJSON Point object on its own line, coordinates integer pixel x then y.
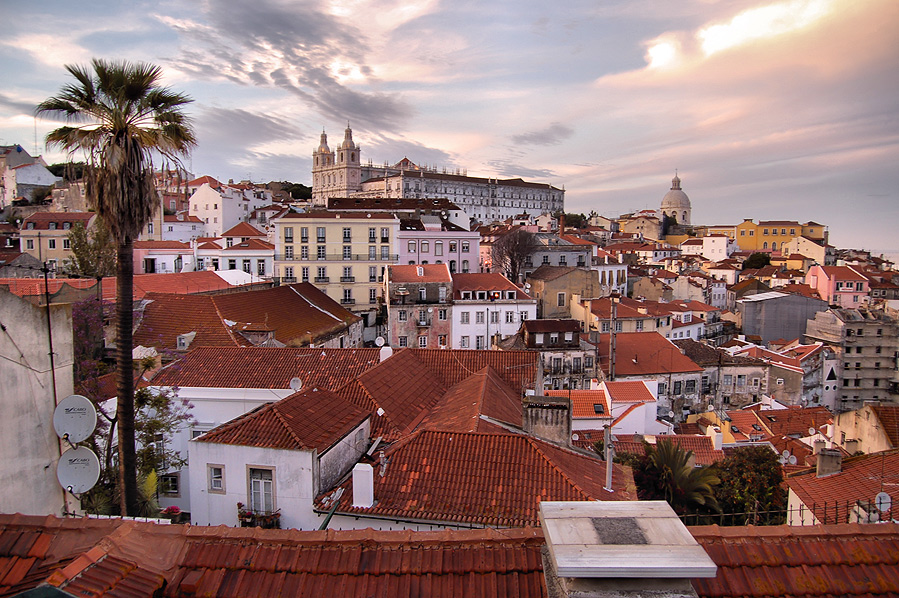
{"type": "Point", "coordinates": [770, 110]}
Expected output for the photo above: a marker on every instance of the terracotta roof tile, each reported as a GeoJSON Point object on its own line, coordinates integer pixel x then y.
{"type": "Point", "coordinates": [534, 326]}
{"type": "Point", "coordinates": [703, 450]}
{"type": "Point", "coordinates": [243, 229]}
{"type": "Point", "coordinates": [485, 281]}
{"type": "Point", "coordinates": [482, 479]}
{"type": "Point", "coordinates": [584, 403]}
{"type": "Point", "coordinates": [481, 394]}
{"type": "Point", "coordinates": [833, 497]}
{"type": "Point", "coordinates": [310, 419]}
{"type": "Point", "coordinates": [629, 391]}
{"type": "Point", "coordinates": [815, 562]}
{"type": "Point", "coordinates": [889, 421]}
{"type": "Point", "coordinates": [644, 353]}
{"type": "Point", "coordinates": [166, 316]}
{"type": "Point", "coordinates": [267, 367]}
{"type": "Point", "coordinates": [409, 273]}
{"type": "Point", "coordinates": [517, 368]}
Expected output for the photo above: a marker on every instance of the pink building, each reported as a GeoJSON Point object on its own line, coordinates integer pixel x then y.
{"type": "Point", "coordinates": [842, 286]}
{"type": "Point", "coordinates": [419, 304]}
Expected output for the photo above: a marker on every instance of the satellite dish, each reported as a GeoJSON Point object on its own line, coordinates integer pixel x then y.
{"type": "Point", "coordinates": [782, 460]}
{"type": "Point", "coordinates": [883, 502]}
{"type": "Point", "coordinates": [786, 453]}
{"type": "Point", "coordinates": [811, 431]}
{"type": "Point", "coordinates": [671, 414]}
{"type": "Point", "coordinates": [710, 408]}
{"type": "Point", "coordinates": [75, 418]}
{"type": "Point", "coordinates": [78, 470]}
{"type": "Point", "coordinates": [792, 460]}
{"type": "Point", "coordinates": [379, 341]}
{"type": "Point", "coordinates": [296, 384]}
{"type": "Point", "coordinates": [430, 310]}
{"type": "Point", "coordinates": [575, 437]}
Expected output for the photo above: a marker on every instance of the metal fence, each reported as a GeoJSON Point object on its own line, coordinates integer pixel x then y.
{"type": "Point", "coordinates": [828, 512]}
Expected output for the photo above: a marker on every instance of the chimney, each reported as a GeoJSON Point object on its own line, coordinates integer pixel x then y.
{"type": "Point", "coordinates": [819, 444]}
{"type": "Point", "coordinates": [619, 548]}
{"type": "Point", "coordinates": [385, 353]}
{"type": "Point", "coordinates": [548, 418]}
{"type": "Point", "coordinates": [715, 434]}
{"type": "Point", "coordinates": [363, 486]}
{"type": "Point", "coordinates": [830, 461]}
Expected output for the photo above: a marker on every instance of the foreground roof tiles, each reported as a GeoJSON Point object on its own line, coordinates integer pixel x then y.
{"type": "Point", "coordinates": [482, 479]}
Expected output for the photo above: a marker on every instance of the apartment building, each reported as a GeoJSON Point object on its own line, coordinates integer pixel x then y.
{"type": "Point", "coordinates": [343, 254]}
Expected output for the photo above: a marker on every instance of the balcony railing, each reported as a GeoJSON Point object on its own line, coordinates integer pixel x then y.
{"type": "Point", "coordinates": [338, 257]}
{"type": "Point", "coordinates": [289, 279]}
{"type": "Point", "coordinates": [422, 323]}
{"type": "Point", "coordinates": [346, 301]}
{"type": "Point", "coordinates": [347, 279]}
{"type": "Point", "coordinates": [322, 279]}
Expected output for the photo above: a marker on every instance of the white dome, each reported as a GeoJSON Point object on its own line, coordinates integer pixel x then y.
{"type": "Point", "coordinates": [675, 199]}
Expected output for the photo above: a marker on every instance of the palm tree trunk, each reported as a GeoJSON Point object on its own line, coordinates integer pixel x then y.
{"type": "Point", "coordinates": [128, 496]}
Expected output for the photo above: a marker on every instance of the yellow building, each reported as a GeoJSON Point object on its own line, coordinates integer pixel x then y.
{"type": "Point", "coordinates": [342, 253]}
{"type": "Point", "coordinates": [45, 235]}
{"type": "Point", "coordinates": [771, 235]}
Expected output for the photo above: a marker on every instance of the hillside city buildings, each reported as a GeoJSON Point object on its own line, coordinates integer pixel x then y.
{"type": "Point", "coordinates": [371, 358]}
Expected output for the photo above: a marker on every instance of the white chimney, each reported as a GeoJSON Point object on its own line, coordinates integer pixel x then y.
{"type": "Point", "coordinates": [385, 353]}
{"type": "Point", "coordinates": [363, 485]}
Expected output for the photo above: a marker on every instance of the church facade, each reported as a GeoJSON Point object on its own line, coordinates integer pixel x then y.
{"type": "Point", "coordinates": [340, 173]}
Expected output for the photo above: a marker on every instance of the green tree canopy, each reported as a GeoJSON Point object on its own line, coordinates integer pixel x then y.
{"type": "Point", "coordinates": [756, 261]}
{"type": "Point", "coordinates": [751, 483]}
{"type": "Point", "coordinates": [93, 252]}
{"type": "Point", "coordinates": [665, 473]}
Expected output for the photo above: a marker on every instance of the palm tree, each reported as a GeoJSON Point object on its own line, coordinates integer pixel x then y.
{"type": "Point", "coordinates": [670, 476]}
{"type": "Point", "coordinates": [119, 116]}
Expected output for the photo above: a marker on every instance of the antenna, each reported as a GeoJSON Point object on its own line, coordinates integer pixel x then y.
{"type": "Point", "coordinates": [74, 419]}
{"type": "Point", "coordinates": [78, 470]}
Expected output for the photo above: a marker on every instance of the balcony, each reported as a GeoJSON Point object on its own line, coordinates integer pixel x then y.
{"type": "Point", "coordinates": [372, 279]}
{"type": "Point", "coordinates": [423, 323]}
{"type": "Point", "coordinates": [304, 239]}
{"type": "Point", "coordinates": [288, 239]}
{"type": "Point", "coordinates": [320, 240]}
{"type": "Point", "coordinates": [347, 279]}
{"type": "Point", "coordinates": [322, 279]}
{"type": "Point", "coordinates": [372, 300]}
{"type": "Point", "coordinates": [385, 239]}
{"type": "Point", "coordinates": [346, 301]}
{"type": "Point", "coordinates": [289, 279]}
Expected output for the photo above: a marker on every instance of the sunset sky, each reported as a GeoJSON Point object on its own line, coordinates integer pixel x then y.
{"type": "Point", "coordinates": [768, 110]}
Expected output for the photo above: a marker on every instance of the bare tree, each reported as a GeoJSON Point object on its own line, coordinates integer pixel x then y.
{"type": "Point", "coordinates": [511, 250]}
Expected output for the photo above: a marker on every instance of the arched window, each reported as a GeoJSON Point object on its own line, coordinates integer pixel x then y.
{"type": "Point", "coordinates": [765, 245]}
{"type": "Point", "coordinates": [774, 246]}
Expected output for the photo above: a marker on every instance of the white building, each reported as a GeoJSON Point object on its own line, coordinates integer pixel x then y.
{"type": "Point", "coordinates": [182, 227]}
{"type": "Point", "coordinates": [221, 206]}
{"type": "Point", "coordinates": [487, 306]}
{"type": "Point", "coordinates": [340, 173]}
{"type": "Point", "coordinates": [711, 247]}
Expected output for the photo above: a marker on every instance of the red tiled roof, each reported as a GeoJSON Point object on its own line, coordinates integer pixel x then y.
{"type": "Point", "coordinates": [544, 326]}
{"type": "Point", "coordinates": [310, 419]}
{"type": "Point", "coordinates": [481, 394]}
{"type": "Point", "coordinates": [484, 281]}
{"type": "Point", "coordinates": [175, 218]}
{"type": "Point", "coordinates": [703, 450]}
{"type": "Point", "coordinates": [204, 179]}
{"type": "Point", "coordinates": [842, 273]}
{"type": "Point", "coordinates": [243, 229]}
{"type": "Point", "coordinates": [629, 391]}
{"type": "Point", "coordinates": [162, 245]}
{"type": "Point", "coordinates": [409, 273]}
{"type": "Point", "coordinates": [166, 316]}
{"type": "Point", "coordinates": [644, 353]}
{"type": "Point", "coordinates": [889, 421]}
{"type": "Point", "coordinates": [264, 367]}
{"type": "Point", "coordinates": [252, 244]}
{"type": "Point", "coordinates": [832, 498]}
{"type": "Point", "coordinates": [42, 220]}
{"type": "Point", "coordinates": [482, 479]}
{"type": "Point", "coordinates": [584, 402]}
{"type": "Point", "coordinates": [517, 368]}
{"type": "Point", "coordinates": [815, 561]}
{"type": "Point", "coordinates": [349, 215]}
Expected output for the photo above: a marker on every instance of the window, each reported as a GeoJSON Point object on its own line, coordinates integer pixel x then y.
{"type": "Point", "coordinates": [372, 295]}
{"type": "Point", "coordinates": [588, 361]}
{"type": "Point", "coordinates": [51, 244]}
{"type": "Point", "coordinates": [662, 388]}
{"type": "Point", "coordinates": [560, 299]}
{"type": "Point", "coordinates": [678, 387]}
{"type": "Point", "coordinates": [348, 296]}
{"type": "Point", "coordinates": [438, 247]}
{"type": "Point", "coordinates": [170, 484]}
{"type": "Point", "coordinates": [422, 294]}
{"type": "Point", "coordinates": [320, 234]}
{"type": "Point", "coordinates": [305, 272]}
{"type": "Point", "coordinates": [464, 266]}
{"type": "Point", "coordinates": [247, 266]}
{"type": "Point", "coordinates": [441, 315]}
{"type": "Point", "coordinates": [260, 267]}
{"type": "Point", "coordinates": [479, 342]}
{"type": "Point", "coordinates": [66, 244]}
{"type": "Point", "coordinates": [524, 316]}
{"type": "Point", "coordinates": [494, 317]}
{"type": "Point", "coordinates": [29, 244]}
{"type": "Point", "coordinates": [690, 386]}
{"type": "Point", "coordinates": [347, 274]}
{"type": "Point", "coordinates": [510, 317]}
{"type": "Point", "coordinates": [741, 380]}
{"type": "Point", "coordinates": [545, 259]}
{"type": "Point", "coordinates": [411, 246]}
{"type": "Point", "coordinates": [403, 341]}
{"type": "Point", "coordinates": [402, 315]}
{"type": "Point", "coordinates": [304, 234]}
{"type": "Point", "coordinates": [423, 342]}
{"type": "Point", "coordinates": [728, 380]}
{"type": "Point", "coordinates": [288, 252]}
{"type": "Point", "coordinates": [441, 294]}
{"type": "Point", "coordinates": [465, 247]}
{"type": "Point", "coordinates": [322, 274]}
{"type": "Point", "coordinates": [320, 252]}
{"type": "Point", "coordinates": [347, 252]}
{"type": "Point", "coordinates": [347, 236]}
{"type": "Point", "coordinates": [288, 234]}
{"type": "Point", "coordinates": [441, 340]}
{"type": "Point", "coordinates": [385, 252]}
{"type": "Point", "coordinates": [232, 264]}
{"type": "Point", "coordinates": [425, 247]}
{"type": "Point", "coordinates": [372, 236]}
{"type": "Point", "coordinates": [372, 274]}
{"type": "Point", "coordinates": [216, 477]}
{"type": "Point", "coordinates": [262, 491]}
{"type": "Point", "coordinates": [479, 317]}
{"type": "Point", "coordinates": [385, 235]}
{"type": "Point", "coordinates": [464, 317]}
{"type": "Point", "coordinates": [304, 252]}
{"type": "Point", "coordinates": [453, 245]}
{"type": "Point", "coordinates": [464, 342]}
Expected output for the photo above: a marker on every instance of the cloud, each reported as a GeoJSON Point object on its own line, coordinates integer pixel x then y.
{"type": "Point", "coordinates": [554, 134]}
{"type": "Point", "coordinates": [224, 126]}
{"type": "Point", "coordinates": [9, 103]}
{"type": "Point", "coordinates": [506, 168]}
{"type": "Point", "coordinates": [295, 47]}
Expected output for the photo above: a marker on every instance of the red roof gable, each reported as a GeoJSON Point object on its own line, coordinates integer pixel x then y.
{"type": "Point", "coordinates": [410, 273]}
{"type": "Point", "coordinates": [644, 354]}
{"type": "Point", "coordinates": [481, 394]}
{"type": "Point", "coordinates": [310, 419]}
{"type": "Point", "coordinates": [585, 403]}
{"type": "Point", "coordinates": [243, 229]}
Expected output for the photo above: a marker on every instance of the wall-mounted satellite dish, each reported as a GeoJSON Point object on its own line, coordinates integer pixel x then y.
{"type": "Point", "coordinates": [792, 460]}
{"type": "Point", "coordinates": [575, 437]}
{"type": "Point", "coordinates": [296, 384]}
{"type": "Point", "coordinates": [76, 417]}
{"type": "Point", "coordinates": [811, 432]}
{"type": "Point", "coordinates": [786, 453]}
{"type": "Point", "coordinates": [379, 341]}
{"type": "Point", "coordinates": [78, 470]}
{"type": "Point", "coordinates": [671, 414]}
{"type": "Point", "coordinates": [883, 502]}
{"type": "Point", "coordinates": [710, 408]}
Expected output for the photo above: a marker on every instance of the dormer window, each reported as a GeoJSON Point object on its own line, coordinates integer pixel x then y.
{"type": "Point", "coordinates": [29, 226]}
{"type": "Point", "coordinates": [66, 225]}
{"type": "Point", "coordinates": [52, 226]}
{"type": "Point", "coordinates": [420, 271]}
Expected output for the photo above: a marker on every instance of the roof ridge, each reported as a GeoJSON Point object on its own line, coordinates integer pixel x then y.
{"type": "Point", "coordinates": [218, 313]}
{"type": "Point", "coordinates": [284, 423]}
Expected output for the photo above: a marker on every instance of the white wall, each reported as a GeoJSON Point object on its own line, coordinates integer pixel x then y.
{"type": "Point", "coordinates": [488, 329]}
{"type": "Point", "coordinates": [29, 446]}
